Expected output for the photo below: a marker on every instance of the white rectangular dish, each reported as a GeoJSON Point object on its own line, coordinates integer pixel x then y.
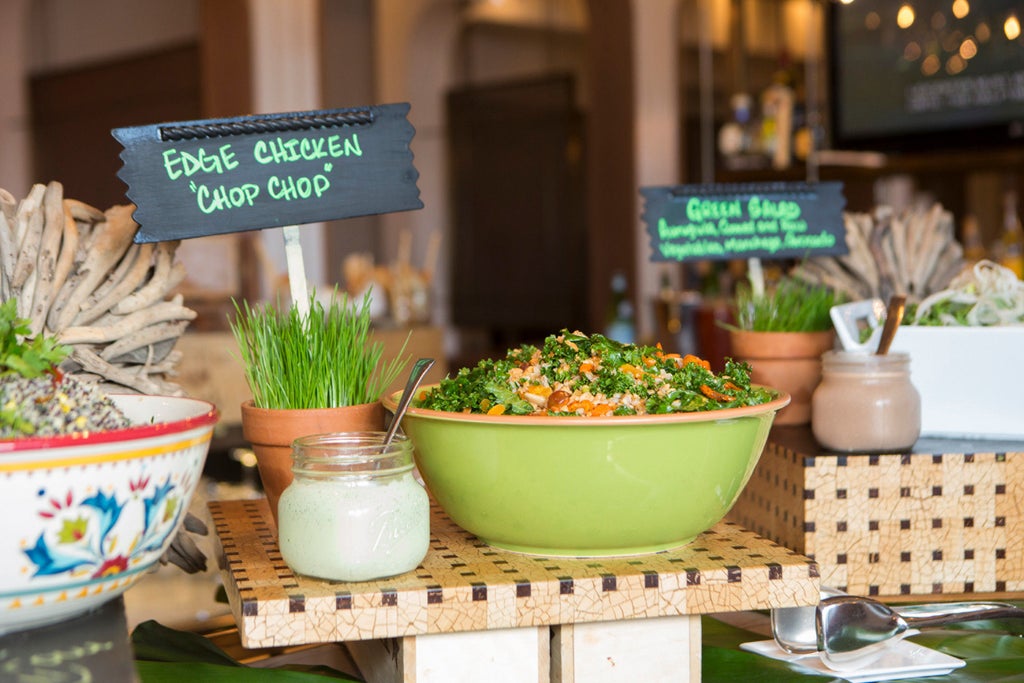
{"type": "Point", "coordinates": [971, 379]}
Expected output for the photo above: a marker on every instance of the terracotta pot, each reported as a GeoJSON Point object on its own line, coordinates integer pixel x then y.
{"type": "Point", "coordinates": [790, 361]}
{"type": "Point", "coordinates": [271, 433]}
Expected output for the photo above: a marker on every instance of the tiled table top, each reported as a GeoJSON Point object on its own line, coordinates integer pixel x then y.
{"type": "Point", "coordinates": [466, 585]}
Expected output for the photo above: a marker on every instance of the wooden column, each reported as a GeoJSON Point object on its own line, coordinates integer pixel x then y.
{"type": "Point", "coordinates": [611, 176]}
{"type": "Point", "coordinates": [286, 77]}
{"type": "Point", "coordinates": [15, 138]}
{"type": "Point", "coordinates": [655, 31]}
{"type": "Point", "coordinates": [225, 53]}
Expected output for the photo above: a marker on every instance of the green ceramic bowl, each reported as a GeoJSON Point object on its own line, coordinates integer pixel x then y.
{"type": "Point", "coordinates": [587, 487]}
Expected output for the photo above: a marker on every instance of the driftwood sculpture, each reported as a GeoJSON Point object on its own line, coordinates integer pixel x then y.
{"type": "Point", "coordinates": [77, 274]}
{"type": "Point", "coordinates": [913, 252]}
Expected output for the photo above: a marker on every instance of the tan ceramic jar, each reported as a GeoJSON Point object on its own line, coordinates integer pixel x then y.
{"type": "Point", "coordinates": [866, 403]}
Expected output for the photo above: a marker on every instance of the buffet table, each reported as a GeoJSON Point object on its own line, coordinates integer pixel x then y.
{"type": "Point", "coordinates": [473, 612]}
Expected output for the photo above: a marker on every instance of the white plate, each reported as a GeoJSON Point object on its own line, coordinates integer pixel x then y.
{"type": "Point", "coordinates": [903, 660]}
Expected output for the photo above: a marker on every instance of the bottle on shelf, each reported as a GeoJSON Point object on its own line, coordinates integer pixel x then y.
{"type": "Point", "coordinates": [973, 244]}
{"type": "Point", "coordinates": [1011, 246]}
{"type": "Point", "coordinates": [777, 109]}
{"type": "Point", "coordinates": [621, 324]}
{"type": "Point", "coordinates": [738, 137]}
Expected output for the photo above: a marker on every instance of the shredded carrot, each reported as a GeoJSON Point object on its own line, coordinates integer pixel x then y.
{"type": "Point", "coordinates": [538, 390]}
{"type": "Point", "coordinates": [690, 358]}
{"type": "Point", "coordinates": [602, 409]}
{"type": "Point", "coordinates": [631, 370]}
{"type": "Point", "coordinates": [714, 395]}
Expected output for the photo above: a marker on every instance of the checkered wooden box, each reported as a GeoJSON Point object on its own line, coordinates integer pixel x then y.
{"type": "Point", "coordinates": [946, 518]}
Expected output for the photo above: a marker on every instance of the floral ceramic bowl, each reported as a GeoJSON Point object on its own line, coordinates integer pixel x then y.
{"type": "Point", "coordinates": [86, 516]}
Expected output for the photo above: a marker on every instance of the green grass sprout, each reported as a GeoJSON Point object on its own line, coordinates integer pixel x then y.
{"type": "Point", "coordinates": [323, 360]}
{"type": "Point", "coordinates": [791, 306]}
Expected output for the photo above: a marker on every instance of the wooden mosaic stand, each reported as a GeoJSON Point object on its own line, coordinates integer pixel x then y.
{"type": "Point", "coordinates": [473, 612]}
{"type": "Point", "coordinates": [947, 518]}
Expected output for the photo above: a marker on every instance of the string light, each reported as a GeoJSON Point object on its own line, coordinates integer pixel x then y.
{"type": "Point", "coordinates": [968, 48]}
{"type": "Point", "coordinates": [1011, 27]}
{"type": "Point", "coordinates": [961, 8]}
{"type": "Point", "coordinates": [905, 16]}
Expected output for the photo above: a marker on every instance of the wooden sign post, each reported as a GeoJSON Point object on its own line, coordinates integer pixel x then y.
{"type": "Point", "coordinates": [196, 178]}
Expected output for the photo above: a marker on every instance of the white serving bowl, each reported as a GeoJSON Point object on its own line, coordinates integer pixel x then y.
{"type": "Point", "coordinates": [86, 516]}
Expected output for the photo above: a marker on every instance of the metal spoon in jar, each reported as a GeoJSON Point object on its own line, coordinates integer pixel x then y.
{"type": "Point", "coordinates": [854, 631]}
{"type": "Point", "coordinates": [893, 317]}
{"type": "Point", "coordinates": [415, 377]}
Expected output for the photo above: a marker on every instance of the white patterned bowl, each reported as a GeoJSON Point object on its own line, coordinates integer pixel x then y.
{"type": "Point", "coordinates": [86, 516]}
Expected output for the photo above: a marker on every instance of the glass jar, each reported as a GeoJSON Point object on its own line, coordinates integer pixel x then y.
{"type": "Point", "coordinates": [354, 511]}
{"type": "Point", "coordinates": [866, 403]}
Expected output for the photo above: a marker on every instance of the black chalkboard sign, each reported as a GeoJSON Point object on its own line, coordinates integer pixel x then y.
{"type": "Point", "coordinates": [746, 220]}
{"type": "Point", "coordinates": [194, 178]}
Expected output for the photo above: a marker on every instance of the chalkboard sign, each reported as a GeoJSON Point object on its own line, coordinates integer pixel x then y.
{"type": "Point", "coordinates": [195, 178]}
{"type": "Point", "coordinates": [749, 220]}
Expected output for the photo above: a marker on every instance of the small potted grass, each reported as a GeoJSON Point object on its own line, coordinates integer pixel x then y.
{"type": "Point", "coordinates": [309, 373]}
{"type": "Point", "coordinates": [782, 333]}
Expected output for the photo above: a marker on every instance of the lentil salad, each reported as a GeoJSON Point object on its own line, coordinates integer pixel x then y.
{"type": "Point", "coordinates": [572, 373]}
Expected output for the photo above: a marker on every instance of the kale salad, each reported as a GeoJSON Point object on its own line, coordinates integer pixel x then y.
{"type": "Point", "coordinates": [590, 375]}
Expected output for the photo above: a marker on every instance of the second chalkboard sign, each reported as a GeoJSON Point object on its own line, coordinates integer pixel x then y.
{"type": "Point", "coordinates": [195, 178]}
{"type": "Point", "coordinates": [751, 220]}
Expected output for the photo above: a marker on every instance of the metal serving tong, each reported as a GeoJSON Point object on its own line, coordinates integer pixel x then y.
{"type": "Point", "coordinates": [850, 632]}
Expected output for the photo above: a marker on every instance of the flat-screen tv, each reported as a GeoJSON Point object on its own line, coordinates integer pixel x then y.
{"type": "Point", "coordinates": [917, 75]}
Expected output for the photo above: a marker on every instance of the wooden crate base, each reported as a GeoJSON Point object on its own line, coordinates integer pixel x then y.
{"type": "Point", "coordinates": [474, 612]}
{"type": "Point", "coordinates": [602, 652]}
{"type": "Point", "coordinates": [946, 518]}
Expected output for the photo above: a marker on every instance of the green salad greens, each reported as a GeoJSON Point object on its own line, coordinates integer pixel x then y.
{"type": "Point", "coordinates": [985, 294]}
{"type": "Point", "coordinates": [576, 374]}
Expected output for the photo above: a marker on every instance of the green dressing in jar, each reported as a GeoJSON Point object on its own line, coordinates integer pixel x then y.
{"type": "Point", "coordinates": [354, 511]}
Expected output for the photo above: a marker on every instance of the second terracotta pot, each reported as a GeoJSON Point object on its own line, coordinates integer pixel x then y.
{"type": "Point", "coordinates": [790, 361]}
{"type": "Point", "coordinates": [271, 433]}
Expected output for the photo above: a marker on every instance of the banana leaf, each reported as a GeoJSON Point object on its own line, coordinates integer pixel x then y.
{"type": "Point", "coordinates": [176, 672]}
{"type": "Point", "coordinates": [166, 655]}
{"type": "Point", "coordinates": [723, 662]}
{"type": "Point", "coordinates": [993, 650]}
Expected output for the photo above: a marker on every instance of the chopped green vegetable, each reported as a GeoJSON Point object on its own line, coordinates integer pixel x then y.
{"type": "Point", "coordinates": [26, 357]}
{"type": "Point", "coordinates": [576, 374]}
